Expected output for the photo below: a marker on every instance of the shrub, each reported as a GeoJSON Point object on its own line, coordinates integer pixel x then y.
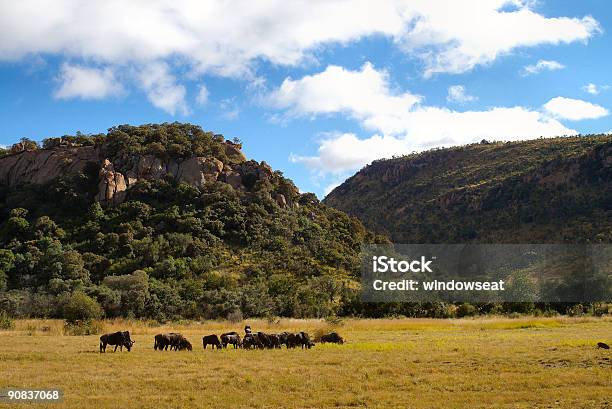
{"type": "Point", "coordinates": [78, 307]}
{"type": "Point", "coordinates": [466, 310]}
{"type": "Point", "coordinates": [6, 322]}
{"type": "Point", "coordinates": [79, 327]}
{"type": "Point", "coordinates": [235, 316]}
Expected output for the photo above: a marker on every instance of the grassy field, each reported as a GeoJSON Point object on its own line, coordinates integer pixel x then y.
{"type": "Point", "coordinates": [408, 363]}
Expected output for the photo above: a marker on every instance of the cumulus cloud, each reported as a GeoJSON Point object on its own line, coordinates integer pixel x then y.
{"type": "Point", "coordinates": [227, 37]}
{"type": "Point", "coordinates": [364, 94]}
{"type": "Point", "coordinates": [457, 93]}
{"type": "Point", "coordinates": [574, 109]}
{"type": "Point", "coordinates": [162, 89]}
{"type": "Point", "coordinates": [340, 152]}
{"type": "Point", "coordinates": [86, 83]}
{"type": "Point", "coordinates": [542, 65]}
{"type": "Point", "coordinates": [402, 122]}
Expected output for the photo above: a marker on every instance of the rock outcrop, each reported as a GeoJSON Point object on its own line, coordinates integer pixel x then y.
{"type": "Point", "coordinates": [112, 186]}
{"type": "Point", "coordinates": [118, 174]}
{"type": "Point", "coordinates": [42, 166]}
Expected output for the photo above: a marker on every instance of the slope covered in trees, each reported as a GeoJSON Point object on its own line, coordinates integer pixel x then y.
{"type": "Point", "coordinates": [539, 191]}
{"type": "Point", "coordinates": [166, 221]}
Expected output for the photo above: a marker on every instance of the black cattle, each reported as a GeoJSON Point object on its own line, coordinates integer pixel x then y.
{"type": "Point", "coordinates": [603, 345]}
{"type": "Point", "coordinates": [184, 344]}
{"type": "Point", "coordinates": [247, 329]}
{"type": "Point", "coordinates": [282, 338]}
{"type": "Point", "coordinates": [275, 340]}
{"type": "Point", "coordinates": [231, 338]}
{"type": "Point", "coordinates": [211, 340]}
{"type": "Point", "coordinates": [162, 341]}
{"type": "Point", "coordinates": [118, 339]}
{"type": "Point", "coordinates": [265, 339]}
{"type": "Point", "coordinates": [333, 338]}
{"type": "Point", "coordinates": [293, 340]}
{"type": "Point", "coordinates": [304, 340]}
{"type": "Point", "coordinates": [252, 341]}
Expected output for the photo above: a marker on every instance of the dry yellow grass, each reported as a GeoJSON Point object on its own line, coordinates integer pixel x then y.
{"type": "Point", "coordinates": [475, 363]}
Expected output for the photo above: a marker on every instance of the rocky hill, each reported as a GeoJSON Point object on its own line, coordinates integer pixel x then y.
{"type": "Point", "coordinates": [540, 191]}
{"type": "Point", "coordinates": [166, 221]}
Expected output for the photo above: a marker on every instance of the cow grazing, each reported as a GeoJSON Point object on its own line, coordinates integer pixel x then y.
{"type": "Point", "coordinates": [162, 342]}
{"type": "Point", "coordinates": [293, 340]}
{"type": "Point", "coordinates": [282, 338]}
{"type": "Point", "coordinates": [184, 344]}
{"type": "Point", "coordinates": [333, 338]}
{"type": "Point", "coordinates": [118, 339]}
{"type": "Point", "coordinates": [173, 340]}
{"type": "Point", "coordinates": [252, 341]}
{"type": "Point", "coordinates": [305, 341]}
{"type": "Point", "coordinates": [211, 340]}
{"type": "Point", "coordinates": [603, 345]}
{"type": "Point", "coordinates": [231, 338]}
{"type": "Point", "coordinates": [265, 339]}
{"type": "Point", "coordinates": [275, 340]}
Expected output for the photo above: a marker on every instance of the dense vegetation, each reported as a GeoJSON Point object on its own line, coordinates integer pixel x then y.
{"type": "Point", "coordinates": [172, 250]}
{"type": "Point", "coordinates": [540, 191]}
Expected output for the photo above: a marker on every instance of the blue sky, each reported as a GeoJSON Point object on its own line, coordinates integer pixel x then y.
{"type": "Point", "coordinates": [316, 89]}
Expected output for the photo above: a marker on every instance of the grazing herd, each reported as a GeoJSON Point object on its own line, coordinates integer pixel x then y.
{"type": "Point", "coordinates": [250, 340]}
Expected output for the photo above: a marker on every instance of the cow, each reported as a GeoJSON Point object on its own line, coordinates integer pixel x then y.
{"type": "Point", "coordinates": [274, 340]}
{"type": "Point", "coordinates": [282, 338]}
{"type": "Point", "coordinates": [304, 340]}
{"type": "Point", "coordinates": [265, 339]}
{"type": "Point", "coordinates": [162, 341]}
{"type": "Point", "coordinates": [184, 344]}
{"type": "Point", "coordinates": [333, 338]}
{"type": "Point", "coordinates": [603, 345]}
{"type": "Point", "coordinates": [175, 340]}
{"type": "Point", "coordinates": [293, 340]}
{"type": "Point", "coordinates": [118, 339]}
{"type": "Point", "coordinates": [211, 340]}
{"type": "Point", "coordinates": [231, 338]}
{"type": "Point", "coordinates": [252, 340]}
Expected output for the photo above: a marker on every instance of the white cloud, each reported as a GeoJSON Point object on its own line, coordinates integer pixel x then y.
{"type": "Point", "coordinates": [202, 97]}
{"type": "Point", "coordinates": [401, 121]}
{"type": "Point", "coordinates": [594, 89]}
{"type": "Point", "coordinates": [227, 37]}
{"type": "Point", "coordinates": [364, 95]}
{"type": "Point", "coordinates": [162, 90]}
{"type": "Point", "coordinates": [456, 93]}
{"type": "Point", "coordinates": [591, 89]}
{"type": "Point", "coordinates": [574, 109]}
{"type": "Point", "coordinates": [455, 36]}
{"type": "Point", "coordinates": [86, 83]}
{"type": "Point", "coordinates": [340, 152]}
{"type": "Point", "coordinates": [542, 65]}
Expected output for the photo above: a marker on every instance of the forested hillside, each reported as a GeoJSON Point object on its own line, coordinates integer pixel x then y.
{"type": "Point", "coordinates": [539, 191]}
{"type": "Point", "coordinates": [166, 221]}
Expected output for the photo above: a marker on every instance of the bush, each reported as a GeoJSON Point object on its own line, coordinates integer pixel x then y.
{"type": "Point", "coordinates": [235, 317]}
{"type": "Point", "coordinates": [6, 322]}
{"type": "Point", "coordinates": [88, 327]}
{"type": "Point", "coordinates": [466, 310]}
{"type": "Point", "coordinates": [78, 307]}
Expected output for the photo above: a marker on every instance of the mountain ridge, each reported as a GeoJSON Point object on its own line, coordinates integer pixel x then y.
{"type": "Point", "coordinates": [488, 192]}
